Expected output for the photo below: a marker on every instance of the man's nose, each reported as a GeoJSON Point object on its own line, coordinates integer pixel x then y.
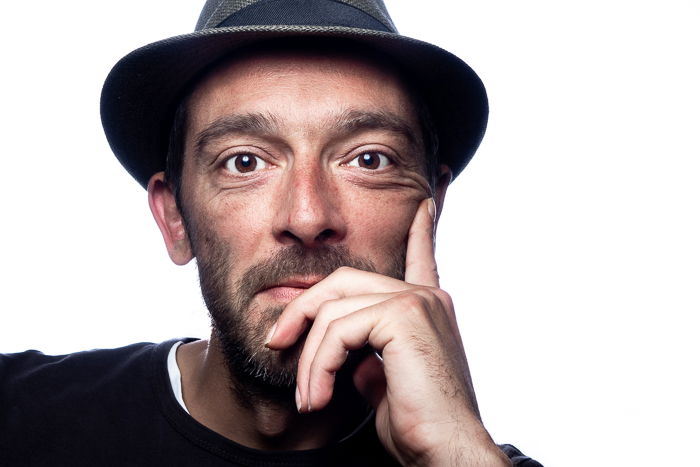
{"type": "Point", "coordinates": [309, 211]}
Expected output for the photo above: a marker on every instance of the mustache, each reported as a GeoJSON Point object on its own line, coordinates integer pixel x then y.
{"type": "Point", "coordinates": [297, 261]}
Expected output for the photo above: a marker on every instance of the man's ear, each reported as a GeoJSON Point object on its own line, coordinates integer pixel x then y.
{"type": "Point", "coordinates": [444, 177]}
{"type": "Point", "coordinates": [161, 199]}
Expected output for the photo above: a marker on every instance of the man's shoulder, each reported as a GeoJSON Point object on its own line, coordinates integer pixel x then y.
{"type": "Point", "coordinates": [34, 366]}
{"type": "Point", "coordinates": [33, 374]}
{"type": "Point", "coordinates": [37, 357]}
{"type": "Point", "coordinates": [34, 381]}
{"type": "Point", "coordinates": [83, 402]}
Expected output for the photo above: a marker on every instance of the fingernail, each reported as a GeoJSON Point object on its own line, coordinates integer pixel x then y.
{"type": "Point", "coordinates": [271, 334]}
{"type": "Point", "coordinates": [431, 208]}
{"type": "Point", "coordinates": [297, 398]}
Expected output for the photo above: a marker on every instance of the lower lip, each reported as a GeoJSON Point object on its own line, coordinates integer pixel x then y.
{"type": "Point", "coordinates": [283, 294]}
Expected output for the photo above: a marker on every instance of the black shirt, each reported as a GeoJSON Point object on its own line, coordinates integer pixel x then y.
{"type": "Point", "coordinates": [117, 407]}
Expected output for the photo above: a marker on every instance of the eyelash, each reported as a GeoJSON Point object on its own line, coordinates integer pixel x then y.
{"type": "Point", "coordinates": [236, 163]}
{"type": "Point", "coordinates": [257, 163]}
{"type": "Point", "coordinates": [384, 160]}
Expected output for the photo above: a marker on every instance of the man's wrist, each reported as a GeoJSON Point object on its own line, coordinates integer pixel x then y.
{"type": "Point", "coordinates": [478, 449]}
{"type": "Point", "coordinates": [472, 458]}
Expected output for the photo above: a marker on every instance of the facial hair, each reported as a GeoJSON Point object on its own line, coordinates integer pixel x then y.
{"type": "Point", "coordinates": [240, 326]}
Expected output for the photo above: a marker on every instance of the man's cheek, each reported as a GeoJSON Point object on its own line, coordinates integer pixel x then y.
{"type": "Point", "coordinates": [388, 251]}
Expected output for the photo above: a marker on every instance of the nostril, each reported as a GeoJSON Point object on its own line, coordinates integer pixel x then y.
{"type": "Point", "coordinates": [325, 235]}
{"type": "Point", "coordinates": [289, 235]}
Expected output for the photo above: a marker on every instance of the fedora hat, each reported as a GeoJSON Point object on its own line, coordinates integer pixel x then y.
{"type": "Point", "coordinates": [143, 90]}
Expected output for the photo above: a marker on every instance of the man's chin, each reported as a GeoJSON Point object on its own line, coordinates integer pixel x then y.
{"type": "Point", "coordinates": [275, 368]}
{"type": "Point", "coordinates": [256, 371]}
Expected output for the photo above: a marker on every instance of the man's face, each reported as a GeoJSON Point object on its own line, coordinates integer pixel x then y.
{"type": "Point", "coordinates": [295, 164]}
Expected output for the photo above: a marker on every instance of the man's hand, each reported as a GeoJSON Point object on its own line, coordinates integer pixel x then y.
{"type": "Point", "coordinates": [426, 412]}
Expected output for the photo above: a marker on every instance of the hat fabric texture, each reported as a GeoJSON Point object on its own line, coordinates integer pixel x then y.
{"type": "Point", "coordinates": [143, 90]}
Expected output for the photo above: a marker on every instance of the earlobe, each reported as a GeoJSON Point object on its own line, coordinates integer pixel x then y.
{"type": "Point", "coordinates": [161, 200]}
{"type": "Point", "coordinates": [441, 183]}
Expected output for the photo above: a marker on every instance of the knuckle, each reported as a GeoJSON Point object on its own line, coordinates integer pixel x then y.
{"type": "Point", "coordinates": [414, 304]}
{"type": "Point", "coordinates": [325, 310]}
{"type": "Point", "coordinates": [444, 297]}
{"type": "Point", "coordinates": [422, 302]}
{"type": "Point", "coordinates": [409, 299]}
{"type": "Point", "coordinates": [334, 329]}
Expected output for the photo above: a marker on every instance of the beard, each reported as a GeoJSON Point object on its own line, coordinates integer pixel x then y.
{"type": "Point", "coordinates": [240, 326]}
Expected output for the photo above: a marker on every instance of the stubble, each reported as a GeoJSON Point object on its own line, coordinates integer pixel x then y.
{"type": "Point", "coordinates": [240, 325]}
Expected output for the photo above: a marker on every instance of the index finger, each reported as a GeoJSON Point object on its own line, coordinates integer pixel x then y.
{"type": "Point", "coordinates": [421, 268]}
{"type": "Point", "coordinates": [343, 282]}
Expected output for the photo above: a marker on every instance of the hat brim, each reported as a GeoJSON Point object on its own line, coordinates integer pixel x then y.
{"type": "Point", "coordinates": [142, 91]}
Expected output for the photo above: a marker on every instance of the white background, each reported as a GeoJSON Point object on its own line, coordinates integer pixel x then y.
{"type": "Point", "coordinates": [570, 244]}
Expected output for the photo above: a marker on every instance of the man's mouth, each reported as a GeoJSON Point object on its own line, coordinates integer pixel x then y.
{"type": "Point", "coordinates": [288, 289]}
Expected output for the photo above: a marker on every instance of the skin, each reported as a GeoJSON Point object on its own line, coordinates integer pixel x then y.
{"type": "Point", "coordinates": [308, 189]}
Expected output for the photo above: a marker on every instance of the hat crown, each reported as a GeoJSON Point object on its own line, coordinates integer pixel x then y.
{"type": "Point", "coordinates": [216, 12]}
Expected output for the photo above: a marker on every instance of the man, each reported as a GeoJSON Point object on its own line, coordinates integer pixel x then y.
{"type": "Point", "coordinates": [301, 152]}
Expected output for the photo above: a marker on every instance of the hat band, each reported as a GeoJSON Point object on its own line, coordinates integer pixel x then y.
{"type": "Point", "coordinates": [303, 13]}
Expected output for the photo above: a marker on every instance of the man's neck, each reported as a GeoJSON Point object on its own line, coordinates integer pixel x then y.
{"type": "Point", "coordinates": [255, 422]}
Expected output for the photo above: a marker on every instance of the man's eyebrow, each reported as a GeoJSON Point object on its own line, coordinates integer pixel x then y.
{"type": "Point", "coordinates": [352, 121]}
{"type": "Point", "coordinates": [348, 122]}
{"type": "Point", "coordinates": [257, 123]}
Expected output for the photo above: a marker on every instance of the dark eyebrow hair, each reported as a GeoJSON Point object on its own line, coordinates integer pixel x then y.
{"type": "Point", "coordinates": [237, 123]}
{"type": "Point", "coordinates": [348, 122]}
{"type": "Point", "coordinates": [355, 120]}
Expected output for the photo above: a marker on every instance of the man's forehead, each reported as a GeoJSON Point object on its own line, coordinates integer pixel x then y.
{"type": "Point", "coordinates": [308, 81]}
{"type": "Point", "coordinates": [276, 62]}
{"type": "Point", "coordinates": [245, 94]}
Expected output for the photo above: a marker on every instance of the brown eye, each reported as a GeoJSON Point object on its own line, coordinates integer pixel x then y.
{"type": "Point", "coordinates": [244, 163]}
{"type": "Point", "coordinates": [372, 160]}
